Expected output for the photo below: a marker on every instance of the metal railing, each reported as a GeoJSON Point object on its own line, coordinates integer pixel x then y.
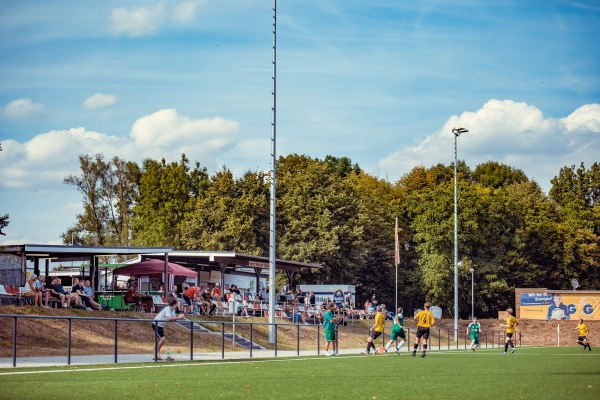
{"type": "Point", "coordinates": [225, 328]}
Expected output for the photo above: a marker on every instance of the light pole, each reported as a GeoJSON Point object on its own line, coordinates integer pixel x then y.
{"type": "Point", "coordinates": [472, 292]}
{"type": "Point", "coordinates": [456, 132]}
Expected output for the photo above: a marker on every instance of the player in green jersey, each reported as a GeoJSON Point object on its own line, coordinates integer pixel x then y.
{"type": "Point", "coordinates": [397, 332]}
{"type": "Point", "coordinates": [473, 332]}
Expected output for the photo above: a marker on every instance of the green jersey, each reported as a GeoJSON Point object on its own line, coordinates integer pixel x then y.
{"type": "Point", "coordinates": [398, 322]}
{"type": "Point", "coordinates": [328, 325]}
{"type": "Point", "coordinates": [474, 328]}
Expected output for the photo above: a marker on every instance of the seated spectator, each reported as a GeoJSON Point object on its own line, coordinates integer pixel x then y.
{"type": "Point", "coordinates": [31, 292]}
{"type": "Point", "coordinates": [53, 293]}
{"type": "Point", "coordinates": [189, 297]}
{"type": "Point", "coordinates": [264, 296]}
{"type": "Point", "coordinates": [133, 296]}
{"type": "Point", "coordinates": [208, 308]}
{"type": "Point", "coordinates": [216, 291]}
{"type": "Point", "coordinates": [40, 284]}
{"type": "Point", "coordinates": [73, 298]}
{"type": "Point", "coordinates": [86, 293]}
{"type": "Point", "coordinates": [68, 297]}
{"type": "Point", "coordinates": [249, 295]}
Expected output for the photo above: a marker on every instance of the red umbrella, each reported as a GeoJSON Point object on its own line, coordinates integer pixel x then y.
{"type": "Point", "coordinates": [154, 268]}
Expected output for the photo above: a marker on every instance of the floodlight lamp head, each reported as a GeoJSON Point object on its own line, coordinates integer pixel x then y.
{"type": "Point", "coordinates": [458, 131]}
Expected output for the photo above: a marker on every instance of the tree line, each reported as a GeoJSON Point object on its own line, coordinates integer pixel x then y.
{"type": "Point", "coordinates": [333, 213]}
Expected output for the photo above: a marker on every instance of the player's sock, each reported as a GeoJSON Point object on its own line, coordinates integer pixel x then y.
{"type": "Point", "coordinates": [400, 346]}
{"type": "Point", "coordinates": [505, 347]}
{"type": "Point", "coordinates": [387, 346]}
{"type": "Point", "coordinates": [425, 347]}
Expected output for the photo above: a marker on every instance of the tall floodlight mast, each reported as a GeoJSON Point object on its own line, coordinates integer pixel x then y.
{"type": "Point", "coordinates": [272, 241]}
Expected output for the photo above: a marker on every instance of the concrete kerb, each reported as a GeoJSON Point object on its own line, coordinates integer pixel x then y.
{"type": "Point", "coordinates": [89, 360]}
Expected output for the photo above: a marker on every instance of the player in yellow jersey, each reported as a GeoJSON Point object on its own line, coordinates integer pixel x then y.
{"type": "Point", "coordinates": [511, 322]}
{"type": "Point", "coordinates": [424, 320]}
{"type": "Point", "coordinates": [584, 332]}
{"type": "Point", "coordinates": [376, 330]}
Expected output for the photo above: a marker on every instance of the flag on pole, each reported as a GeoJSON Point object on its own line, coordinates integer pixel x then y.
{"type": "Point", "coordinates": [397, 248]}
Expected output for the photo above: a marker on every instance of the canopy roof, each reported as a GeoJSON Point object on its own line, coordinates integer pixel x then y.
{"type": "Point", "coordinates": [154, 268]}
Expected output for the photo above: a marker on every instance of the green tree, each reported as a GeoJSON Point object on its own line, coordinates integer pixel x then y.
{"type": "Point", "coordinates": [232, 216]}
{"type": "Point", "coordinates": [108, 190]}
{"type": "Point", "coordinates": [317, 219]}
{"type": "Point", "coordinates": [4, 223]}
{"type": "Point", "coordinates": [166, 197]}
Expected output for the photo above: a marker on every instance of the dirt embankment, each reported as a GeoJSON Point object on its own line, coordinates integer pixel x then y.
{"type": "Point", "coordinates": [47, 337]}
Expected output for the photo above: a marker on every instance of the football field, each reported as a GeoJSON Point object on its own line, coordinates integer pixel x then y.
{"type": "Point", "coordinates": [529, 373]}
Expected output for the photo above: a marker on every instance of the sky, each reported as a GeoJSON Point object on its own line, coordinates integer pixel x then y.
{"type": "Point", "coordinates": [382, 83]}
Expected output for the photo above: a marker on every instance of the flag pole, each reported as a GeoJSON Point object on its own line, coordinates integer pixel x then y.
{"type": "Point", "coordinates": [396, 259]}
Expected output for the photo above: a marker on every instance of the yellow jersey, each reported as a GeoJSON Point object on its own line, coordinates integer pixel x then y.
{"type": "Point", "coordinates": [425, 319]}
{"type": "Point", "coordinates": [379, 322]}
{"type": "Point", "coordinates": [511, 321]}
{"type": "Point", "coordinates": [583, 329]}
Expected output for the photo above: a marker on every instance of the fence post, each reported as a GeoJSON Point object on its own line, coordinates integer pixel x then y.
{"type": "Point", "coordinates": [275, 339]}
{"type": "Point", "coordinates": [15, 342]}
{"type": "Point", "coordinates": [251, 341]}
{"type": "Point", "coordinates": [116, 340]}
{"type": "Point", "coordinates": [69, 342]}
{"type": "Point", "coordinates": [298, 339]}
{"type": "Point", "coordinates": [318, 339]}
{"type": "Point", "coordinates": [191, 340]}
{"type": "Point", "coordinates": [439, 339]}
{"type": "Point", "coordinates": [222, 340]}
{"type": "Point", "coordinates": [448, 341]}
{"type": "Point", "coordinates": [155, 325]}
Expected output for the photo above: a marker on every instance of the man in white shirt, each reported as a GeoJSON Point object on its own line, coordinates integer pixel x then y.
{"type": "Point", "coordinates": [158, 325]}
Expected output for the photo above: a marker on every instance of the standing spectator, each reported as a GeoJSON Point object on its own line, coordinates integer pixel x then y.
{"type": "Point", "coordinates": [31, 292]}
{"type": "Point", "coordinates": [424, 320]}
{"type": "Point", "coordinates": [313, 299]}
{"type": "Point", "coordinates": [189, 297]}
{"type": "Point", "coordinates": [376, 331]}
{"type": "Point", "coordinates": [511, 322]}
{"type": "Point", "coordinates": [397, 331]}
{"type": "Point", "coordinates": [158, 325]}
{"type": "Point", "coordinates": [329, 324]}
{"type": "Point", "coordinates": [283, 294]}
{"type": "Point", "coordinates": [172, 295]}
{"type": "Point", "coordinates": [582, 339]}
{"type": "Point", "coordinates": [473, 332]}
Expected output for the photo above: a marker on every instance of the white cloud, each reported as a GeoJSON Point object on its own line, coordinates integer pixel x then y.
{"type": "Point", "coordinates": [22, 108]}
{"type": "Point", "coordinates": [98, 101]}
{"type": "Point", "coordinates": [46, 159]}
{"type": "Point", "coordinates": [137, 21]}
{"type": "Point", "coordinates": [165, 129]}
{"type": "Point", "coordinates": [186, 11]}
{"type": "Point", "coordinates": [509, 132]}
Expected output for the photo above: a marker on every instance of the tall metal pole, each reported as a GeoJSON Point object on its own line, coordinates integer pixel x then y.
{"type": "Point", "coordinates": [472, 292]}
{"type": "Point", "coordinates": [456, 132]}
{"type": "Point", "coordinates": [272, 241]}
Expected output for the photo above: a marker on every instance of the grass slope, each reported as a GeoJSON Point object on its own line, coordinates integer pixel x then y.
{"type": "Point", "coordinates": [530, 373]}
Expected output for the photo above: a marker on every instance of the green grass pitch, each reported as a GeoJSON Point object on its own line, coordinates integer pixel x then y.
{"type": "Point", "coordinates": [530, 373]}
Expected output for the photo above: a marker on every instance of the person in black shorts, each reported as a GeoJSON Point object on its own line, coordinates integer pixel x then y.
{"type": "Point", "coordinates": [158, 325]}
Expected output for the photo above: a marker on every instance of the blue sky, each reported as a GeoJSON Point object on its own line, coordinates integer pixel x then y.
{"type": "Point", "coordinates": [382, 83]}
